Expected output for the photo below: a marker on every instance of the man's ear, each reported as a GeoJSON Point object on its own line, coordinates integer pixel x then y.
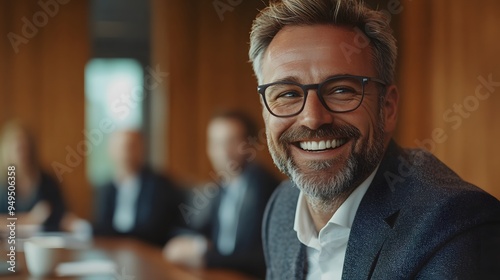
{"type": "Point", "coordinates": [390, 105]}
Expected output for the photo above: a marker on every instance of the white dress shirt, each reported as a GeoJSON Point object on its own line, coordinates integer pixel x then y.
{"type": "Point", "coordinates": [127, 193]}
{"type": "Point", "coordinates": [228, 215]}
{"type": "Point", "coordinates": [326, 250]}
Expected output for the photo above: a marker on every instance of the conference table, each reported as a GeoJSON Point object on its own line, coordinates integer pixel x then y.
{"type": "Point", "coordinates": [133, 259]}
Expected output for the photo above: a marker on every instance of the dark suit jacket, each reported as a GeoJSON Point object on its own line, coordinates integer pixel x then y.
{"type": "Point", "coordinates": [248, 256]}
{"type": "Point", "coordinates": [47, 190]}
{"type": "Point", "coordinates": [157, 209]}
{"type": "Point", "coordinates": [417, 220]}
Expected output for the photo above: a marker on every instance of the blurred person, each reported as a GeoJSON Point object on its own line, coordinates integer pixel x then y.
{"type": "Point", "coordinates": [138, 202]}
{"type": "Point", "coordinates": [358, 206]}
{"type": "Point", "coordinates": [38, 198]}
{"type": "Point", "coordinates": [232, 235]}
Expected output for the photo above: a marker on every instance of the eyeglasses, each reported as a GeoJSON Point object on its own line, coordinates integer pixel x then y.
{"type": "Point", "coordinates": [339, 94]}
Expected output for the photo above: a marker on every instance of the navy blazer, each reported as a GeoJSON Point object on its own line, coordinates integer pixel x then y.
{"type": "Point", "coordinates": [157, 213]}
{"type": "Point", "coordinates": [417, 220]}
{"type": "Point", "coordinates": [48, 190]}
{"type": "Point", "coordinates": [248, 256]}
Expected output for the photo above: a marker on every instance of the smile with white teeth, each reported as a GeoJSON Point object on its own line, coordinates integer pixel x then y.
{"type": "Point", "coordinates": [321, 145]}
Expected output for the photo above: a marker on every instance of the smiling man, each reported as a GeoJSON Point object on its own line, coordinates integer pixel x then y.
{"type": "Point", "coordinates": [357, 205]}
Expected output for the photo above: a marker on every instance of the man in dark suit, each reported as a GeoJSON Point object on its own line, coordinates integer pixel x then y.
{"type": "Point", "coordinates": [234, 229]}
{"type": "Point", "coordinates": [231, 233]}
{"type": "Point", "coordinates": [138, 202]}
{"type": "Point", "coordinates": [358, 206]}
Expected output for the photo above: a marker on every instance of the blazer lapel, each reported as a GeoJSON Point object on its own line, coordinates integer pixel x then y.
{"type": "Point", "coordinates": [297, 256]}
{"type": "Point", "coordinates": [292, 259]}
{"type": "Point", "coordinates": [144, 199]}
{"type": "Point", "coordinates": [375, 218]}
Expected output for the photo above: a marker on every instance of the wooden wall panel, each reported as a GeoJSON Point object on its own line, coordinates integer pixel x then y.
{"type": "Point", "coordinates": [207, 61]}
{"type": "Point", "coordinates": [43, 85]}
{"type": "Point", "coordinates": [446, 47]}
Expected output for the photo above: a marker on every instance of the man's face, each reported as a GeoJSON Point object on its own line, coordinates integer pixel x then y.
{"type": "Point", "coordinates": [127, 151]}
{"type": "Point", "coordinates": [310, 55]}
{"type": "Point", "coordinates": [224, 138]}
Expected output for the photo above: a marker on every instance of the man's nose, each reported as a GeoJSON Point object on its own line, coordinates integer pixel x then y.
{"type": "Point", "coordinates": [314, 114]}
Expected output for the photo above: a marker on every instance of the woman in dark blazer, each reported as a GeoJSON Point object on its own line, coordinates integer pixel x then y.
{"type": "Point", "coordinates": [38, 198]}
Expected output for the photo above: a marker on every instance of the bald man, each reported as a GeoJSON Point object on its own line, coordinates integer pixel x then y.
{"type": "Point", "coordinates": [138, 202]}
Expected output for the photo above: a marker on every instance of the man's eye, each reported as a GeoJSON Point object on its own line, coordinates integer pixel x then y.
{"type": "Point", "coordinates": [289, 94]}
{"type": "Point", "coordinates": [342, 90]}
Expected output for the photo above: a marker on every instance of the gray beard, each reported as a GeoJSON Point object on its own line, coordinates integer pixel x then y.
{"type": "Point", "coordinates": [321, 186]}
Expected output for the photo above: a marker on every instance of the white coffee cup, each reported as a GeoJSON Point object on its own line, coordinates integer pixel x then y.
{"type": "Point", "coordinates": [42, 254]}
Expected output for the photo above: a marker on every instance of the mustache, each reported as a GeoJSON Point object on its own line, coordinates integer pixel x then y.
{"type": "Point", "coordinates": [324, 131]}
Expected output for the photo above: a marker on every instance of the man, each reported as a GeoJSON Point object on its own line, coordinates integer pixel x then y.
{"type": "Point", "coordinates": [234, 224]}
{"type": "Point", "coordinates": [358, 206]}
{"type": "Point", "coordinates": [138, 202]}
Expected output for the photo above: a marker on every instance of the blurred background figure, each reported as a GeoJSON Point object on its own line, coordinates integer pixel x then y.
{"type": "Point", "coordinates": [38, 199]}
{"type": "Point", "coordinates": [138, 202]}
{"type": "Point", "coordinates": [232, 233]}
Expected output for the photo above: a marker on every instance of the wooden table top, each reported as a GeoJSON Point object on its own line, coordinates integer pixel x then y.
{"type": "Point", "coordinates": [139, 261]}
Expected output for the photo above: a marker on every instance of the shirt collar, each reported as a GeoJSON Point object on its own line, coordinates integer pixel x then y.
{"type": "Point", "coordinates": [344, 216]}
{"type": "Point", "coordinates": [128, 185]}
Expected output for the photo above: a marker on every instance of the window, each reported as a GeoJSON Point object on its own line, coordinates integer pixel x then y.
{"type": "Point", "coordinates": [114, 94]}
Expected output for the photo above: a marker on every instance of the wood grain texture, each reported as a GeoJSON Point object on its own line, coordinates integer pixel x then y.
{"type": "Point", "coordinates": [43, 86]}
{"type": "Point", "coordinates": [445, 47]}
{"type": "Point", "coordinates": [208, 71]}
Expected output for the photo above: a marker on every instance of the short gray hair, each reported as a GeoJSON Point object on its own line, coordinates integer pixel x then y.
{"type": "Point", "coordinates": [373, 24]}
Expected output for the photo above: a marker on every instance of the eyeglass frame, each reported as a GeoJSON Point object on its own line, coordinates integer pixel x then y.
{"type": "Point", "coordinates": [305, 88]}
